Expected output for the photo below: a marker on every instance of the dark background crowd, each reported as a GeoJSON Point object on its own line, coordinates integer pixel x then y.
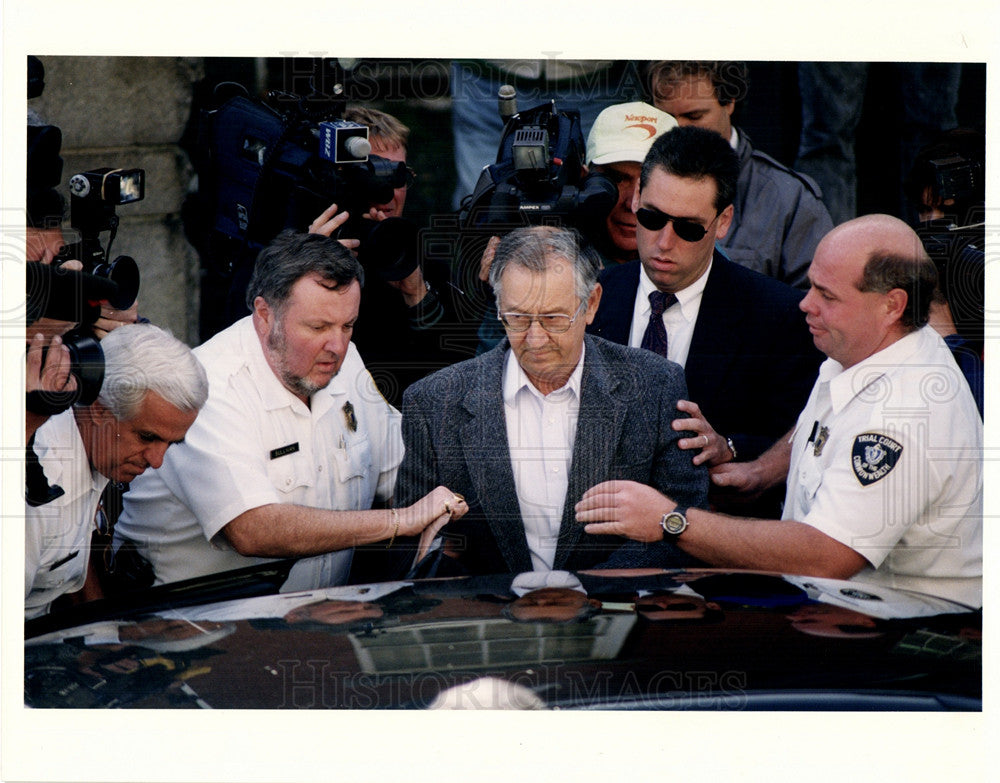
{"type": "Point", "coordinates": [418, 93]}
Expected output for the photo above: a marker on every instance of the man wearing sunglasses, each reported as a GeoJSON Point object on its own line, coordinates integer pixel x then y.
{"type": "Point", "coordinates": [884, 465]}
{"type": "Point", "coordinates": [523, 430]}
{"type": "Point", "coordinates": [747, 354]}
{"type": "Point", "coordinates": [778, 217]}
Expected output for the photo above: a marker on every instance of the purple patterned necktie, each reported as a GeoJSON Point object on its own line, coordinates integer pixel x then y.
{"type": "Point", "coordinates": [655, 337]}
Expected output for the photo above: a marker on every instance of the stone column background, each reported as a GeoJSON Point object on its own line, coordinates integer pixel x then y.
{"type": "Point", "coordinates": [130, 112]}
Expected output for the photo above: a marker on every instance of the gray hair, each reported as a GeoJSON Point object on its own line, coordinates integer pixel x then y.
{"type": "Point", "coordinates": [142, 358]}
{"type": "Point", "coordinates": [532, 247]}
{"type": "Point", "coordinates": [293, 255]}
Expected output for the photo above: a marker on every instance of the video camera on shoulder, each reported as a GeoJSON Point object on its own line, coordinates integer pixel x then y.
{"type": "Point", "coordinates": [539, 177]}
{"type": "Point", "coordinates": [278, 163]}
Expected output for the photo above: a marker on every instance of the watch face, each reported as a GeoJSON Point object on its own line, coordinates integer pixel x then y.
{"type": "Point", "coordinates": [675, 523]}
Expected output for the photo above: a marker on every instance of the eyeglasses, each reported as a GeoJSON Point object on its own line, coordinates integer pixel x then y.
{"type": "Point", "coordinates": [556, 323]}
{"type": "Point", "coordinates": [688, 230]}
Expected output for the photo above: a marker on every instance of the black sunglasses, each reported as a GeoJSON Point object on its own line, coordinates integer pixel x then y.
{"type": "Point", "coordinates": [688, 230]}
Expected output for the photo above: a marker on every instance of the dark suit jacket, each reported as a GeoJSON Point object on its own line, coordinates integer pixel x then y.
{"type": "Point", "coordinates": [752, 361]}
{"type": "Point", "coordinates": [454, 430]}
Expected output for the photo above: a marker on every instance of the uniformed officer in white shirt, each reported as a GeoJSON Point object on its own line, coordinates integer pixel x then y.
{"type": "Point", "coordinates": [295, 442]}
{"type": "Point", "coordinates": [153, 388]}
{"type": "Point", "coordinates": [884, 466]}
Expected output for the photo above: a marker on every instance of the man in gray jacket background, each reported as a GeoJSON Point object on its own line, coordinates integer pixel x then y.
{"type": "Point", "coordinates": [778, 216]}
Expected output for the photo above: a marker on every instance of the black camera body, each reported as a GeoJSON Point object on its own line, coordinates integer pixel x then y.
{"type": "Point", "coordinates": [957, 177]}
{"type": "Point", "coordinates": [67, 295]}
{"type": "Point", "coordinates": [539, 177]}
{"type": "Point", "coordinates": [94, 198]}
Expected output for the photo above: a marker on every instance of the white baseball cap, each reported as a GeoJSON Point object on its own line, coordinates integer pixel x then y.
{"type": "Point", "coordinates": [625, 132]}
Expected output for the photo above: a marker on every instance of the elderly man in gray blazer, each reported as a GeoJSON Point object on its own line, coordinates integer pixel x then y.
{"type": "Point", "coordinates": [525, 429]}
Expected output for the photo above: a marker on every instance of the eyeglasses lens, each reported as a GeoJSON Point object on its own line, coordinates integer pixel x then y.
{"type": "Point", "coordinates": [654, 220]}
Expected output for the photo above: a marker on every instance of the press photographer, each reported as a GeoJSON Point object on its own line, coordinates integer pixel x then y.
{"type": "Point", "coordinates": [73, 295]}
{"type": "Point", "coordinates": [313, 163]}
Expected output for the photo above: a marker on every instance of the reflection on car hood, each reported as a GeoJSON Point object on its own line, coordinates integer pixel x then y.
{"type": "Point", "coordinates": [709, 639]}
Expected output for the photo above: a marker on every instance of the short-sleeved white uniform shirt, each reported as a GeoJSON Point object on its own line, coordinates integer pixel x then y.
{"type": "Point", "coordinates": [57, 534]}
{"type": "Point", "coordinates": [253, 444]}
{"type": "Point", "coordinates": [887, 459]}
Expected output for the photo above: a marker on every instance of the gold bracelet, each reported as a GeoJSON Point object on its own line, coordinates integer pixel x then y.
{"type": "Point", "coordinates": [395, 516]}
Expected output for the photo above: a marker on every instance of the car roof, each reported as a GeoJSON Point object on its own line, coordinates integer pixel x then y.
{"type": "Point", "coordinates": [682, 639]}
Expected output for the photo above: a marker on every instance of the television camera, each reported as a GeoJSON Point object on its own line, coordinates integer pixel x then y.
{"type": "Point", "coordinates": [539, 177]}
{"type": "Point", "coordinates": [277, 163]}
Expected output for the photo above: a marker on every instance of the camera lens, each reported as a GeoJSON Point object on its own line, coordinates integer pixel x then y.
{"type": "Point", "coordinates": [123, 272]}
{"type": "Point", "coordinates": [391, 249]}
{"type": "Point", "coordinates": [87, 364]}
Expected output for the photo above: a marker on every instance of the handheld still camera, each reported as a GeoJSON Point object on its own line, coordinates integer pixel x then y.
{"type": "Point", "coordinates": [69, 295]}
{"type": "Point", "coordinates": [280, 162]}
{"type": "Point", "coordinates": [94, 198]}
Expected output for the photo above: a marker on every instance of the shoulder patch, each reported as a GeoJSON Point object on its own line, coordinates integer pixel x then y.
{"type": "Point", "coordinates": [873, 456]}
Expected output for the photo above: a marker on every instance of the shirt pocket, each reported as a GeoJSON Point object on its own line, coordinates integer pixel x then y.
{"type": "Point", "coordinates": [62, 566]}
{"type": "Point", "coordinates": [354, 458]}
{"type": "Point", "coordinates": [809, 479]}
{"type": "Point", "coordinates": [290, 472]}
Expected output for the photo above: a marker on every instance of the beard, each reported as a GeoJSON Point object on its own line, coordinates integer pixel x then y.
{"type": "Point", "coordinates": [277, 344]}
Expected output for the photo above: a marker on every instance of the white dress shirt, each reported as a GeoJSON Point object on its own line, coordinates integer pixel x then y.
{"type": "Point", "coordinates": [57, 534]}
{"type": "Point", "coordinates": [678, 319]}
{"type": "Point", "coordinates": [541, 431]}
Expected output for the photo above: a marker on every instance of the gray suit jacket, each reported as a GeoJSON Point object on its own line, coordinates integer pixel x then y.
{"type": "Point", "coordinates": [454, 430]}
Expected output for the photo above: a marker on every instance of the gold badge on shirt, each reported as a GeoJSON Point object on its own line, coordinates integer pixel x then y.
{"type": "Point", "coordinates": [349, 417]}
{"type": "Point", "coordinates": [824, 433]}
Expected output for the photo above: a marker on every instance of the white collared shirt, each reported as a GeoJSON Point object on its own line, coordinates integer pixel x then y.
{"type": "Point", "coordinates": [57, 533]}
{"type": "Point", "coordinates": [678, 319]}
{"type": "Point", "coordinates": [541, 431]}
{"type": "Point", "coordinates": [254, 444]}
{"type": "Point", "coordinates": [887, 459]}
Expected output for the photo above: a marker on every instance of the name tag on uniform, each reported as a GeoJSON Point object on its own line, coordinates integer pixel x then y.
{"type": "Point", "coordinates": [291, 448]}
